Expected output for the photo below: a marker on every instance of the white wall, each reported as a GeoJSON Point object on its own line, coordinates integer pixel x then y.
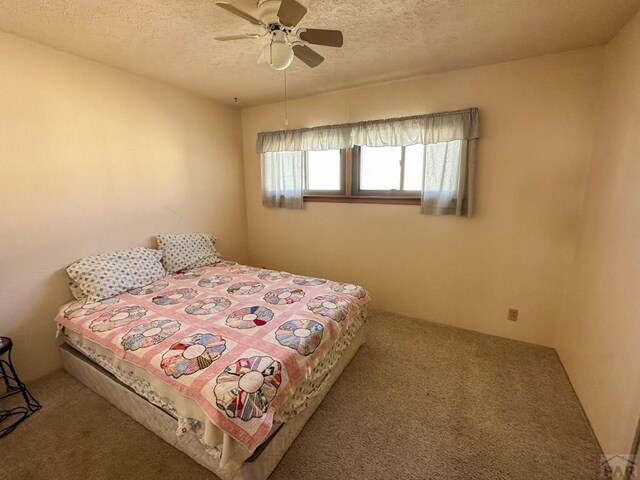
{"type": "Point", "coordinates": [598, 336]}
{"type": "Point", "coordinates": [92, 160]}
{"type": "Point", "coordinates": [536, 124]}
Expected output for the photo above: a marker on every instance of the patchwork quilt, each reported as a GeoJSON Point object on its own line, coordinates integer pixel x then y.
{"type": "Point", "coordinates": [236, 339]}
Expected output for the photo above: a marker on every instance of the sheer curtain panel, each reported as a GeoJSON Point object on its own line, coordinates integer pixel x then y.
{"type": "Point", "coordinates": [448, 178]}
{"type": "Point", "coordinates": [283, 179]}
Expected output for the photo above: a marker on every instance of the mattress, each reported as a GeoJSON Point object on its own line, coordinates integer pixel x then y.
{"type": "Point", "coordinates": [258, 467]}
{"type": "Point", "coordinates": [230, 351]}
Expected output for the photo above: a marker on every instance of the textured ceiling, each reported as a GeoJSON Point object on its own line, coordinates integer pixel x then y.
{"type": "Point", "coordinates": [172, 40]}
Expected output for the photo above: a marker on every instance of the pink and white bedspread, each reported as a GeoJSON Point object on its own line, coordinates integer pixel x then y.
{"type": "Point", "coordinates": [235, 339]}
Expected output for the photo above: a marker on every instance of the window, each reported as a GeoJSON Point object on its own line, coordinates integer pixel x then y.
{"type": "Point", "coordinates": [324, 173]}
{"type": "Point", "coordinates": [388, 170]}
{"type": "Point", "coordinates": [365, 174]}
{"type": "Point", "coordinates": [434, 168]}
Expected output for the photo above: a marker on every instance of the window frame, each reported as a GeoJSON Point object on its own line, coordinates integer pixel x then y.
{"type": "Point", "coordinates": [357, 191]}
{"type": "Point", "coordinates": [350, 183]}
{"type": "Point", "coordinates": [333, 193]}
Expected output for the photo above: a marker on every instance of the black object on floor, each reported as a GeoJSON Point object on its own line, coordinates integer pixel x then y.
{"type": "Point", "coordinates": [11, 418]}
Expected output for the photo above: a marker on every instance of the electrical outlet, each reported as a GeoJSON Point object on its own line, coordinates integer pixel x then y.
{"type": "Point", "coordinates": [513, 315]}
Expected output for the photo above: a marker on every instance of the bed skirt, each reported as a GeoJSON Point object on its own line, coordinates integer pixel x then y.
{"type": "Point", "coordinates": [258, 467]}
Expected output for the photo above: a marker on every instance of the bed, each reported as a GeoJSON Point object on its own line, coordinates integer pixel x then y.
{"type": "Point", "coordinates": [225, 362]}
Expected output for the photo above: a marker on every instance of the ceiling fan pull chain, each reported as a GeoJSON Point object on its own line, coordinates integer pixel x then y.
{"type": "Point", "coordinates": [286, 111]}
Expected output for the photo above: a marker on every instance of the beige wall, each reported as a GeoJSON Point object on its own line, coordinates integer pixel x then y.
{"type": "Point", "coordinates": [536, 121]}
{"type": "Point", "coordinates": [598, 337]}
{"type": "Point", "coordinates": [91, 160]}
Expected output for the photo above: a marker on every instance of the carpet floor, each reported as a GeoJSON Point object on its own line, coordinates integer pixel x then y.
{"type": "Point", "coordinates": [419, 401]}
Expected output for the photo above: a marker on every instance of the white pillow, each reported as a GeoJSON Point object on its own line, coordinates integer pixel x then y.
{"type": "Point", "coordinates": [104, 276]}
{"type": "Point", "coordinates": [181, 251]}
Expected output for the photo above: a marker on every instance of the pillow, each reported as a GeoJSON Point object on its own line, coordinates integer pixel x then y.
{"type": "Point", "coordinates": [76, 291]}
{"type": "Point", "coordinates": [181, 251]}
{"type": "Point", "coordinates": [103, 276]}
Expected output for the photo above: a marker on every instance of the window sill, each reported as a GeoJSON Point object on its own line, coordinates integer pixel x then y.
{"type": "Point", "coordinates": [390, 200]}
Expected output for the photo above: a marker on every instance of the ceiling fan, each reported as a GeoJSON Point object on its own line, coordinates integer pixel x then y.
{"type": "Point", "coordinates": [278, 19]}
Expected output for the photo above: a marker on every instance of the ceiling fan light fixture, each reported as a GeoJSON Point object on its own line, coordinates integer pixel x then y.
{"type": "Point", "coordinates": [278, 53]}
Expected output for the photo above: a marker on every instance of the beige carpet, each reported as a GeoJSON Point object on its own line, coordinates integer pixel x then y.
{"type": "Point", "coordinates": [419, 401]}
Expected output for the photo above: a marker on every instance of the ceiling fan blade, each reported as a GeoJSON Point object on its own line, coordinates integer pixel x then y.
{"type": "Point", "coordinates": [236, 11]}
{"type": "Point", "coordinates": [237, 37]}
{"type": "Point", "coordinates": [316, 36]}
{"type": "Point", "coordinates": [291, 12]}
{"type": "Point", "coordinates": [307, 55]}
